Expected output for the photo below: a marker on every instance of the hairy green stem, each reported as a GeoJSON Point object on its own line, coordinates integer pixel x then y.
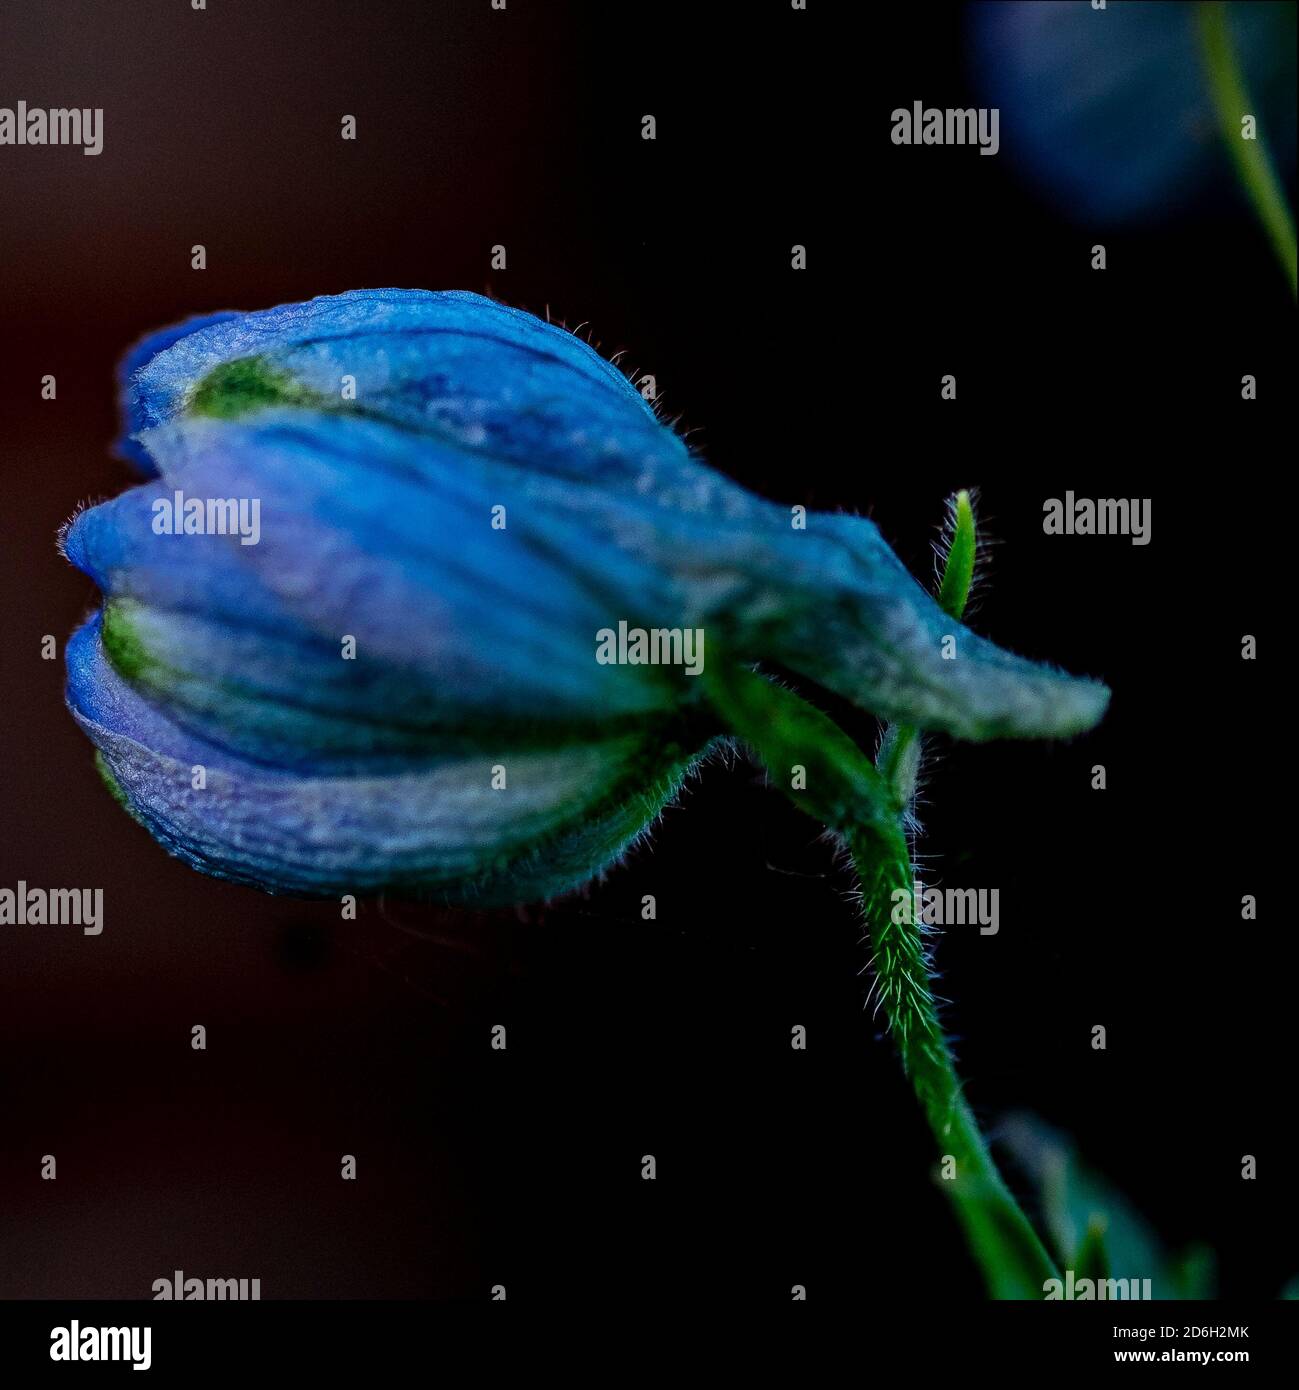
{"type": "Point", "coordinates": [1013, 1259]}
{"type": "Point", "coordinates": [899, 755]}
{"type": "Point", "coordinates": [1254, 165]}
{"type": "Point", "coordinates": [828, 776]}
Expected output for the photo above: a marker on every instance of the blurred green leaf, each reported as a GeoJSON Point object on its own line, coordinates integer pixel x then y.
{"type": "Point", "coordinates": [1093, 1259]}
{"type": "Point", "coordinates": [1089, 1224]}
{"type": "Point", "coordinates": [1195, 1272]}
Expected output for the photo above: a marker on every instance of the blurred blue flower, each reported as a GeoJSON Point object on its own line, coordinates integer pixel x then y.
{"type": "Point", "coordinates": [1110, 109]}
{"type": "Point", "coordinates": [468, 496]}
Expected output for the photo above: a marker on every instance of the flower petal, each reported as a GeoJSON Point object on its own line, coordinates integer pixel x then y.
{"type": "Point", "coordinates": [450, 364]}
{"type": "Point", "coordinates": [386, 535]}
{"type": "Point", "coordinates": [563, 816]}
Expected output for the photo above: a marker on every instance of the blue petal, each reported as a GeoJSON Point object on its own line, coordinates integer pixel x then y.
{"type": "Point", "coordinates": [386, 535]}
{"type": "Point", "coordinates": [142, 353]}
{"type": "Point", "coordinates": [448, 363]}
{"type": "Point", "coordinates": [462, 634]}
{"type": "Point", "coordinates": [563, 817]}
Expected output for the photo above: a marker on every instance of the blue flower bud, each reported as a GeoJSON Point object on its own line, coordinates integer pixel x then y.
{"type": "Point", "coordinates": [400, 681]}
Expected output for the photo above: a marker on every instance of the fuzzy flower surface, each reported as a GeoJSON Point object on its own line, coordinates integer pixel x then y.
{"type": "Point", "coordinates": [396, 687]}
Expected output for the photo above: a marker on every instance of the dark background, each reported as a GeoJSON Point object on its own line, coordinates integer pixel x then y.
{"type": "Point", "coordinates": [671, 1037]}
